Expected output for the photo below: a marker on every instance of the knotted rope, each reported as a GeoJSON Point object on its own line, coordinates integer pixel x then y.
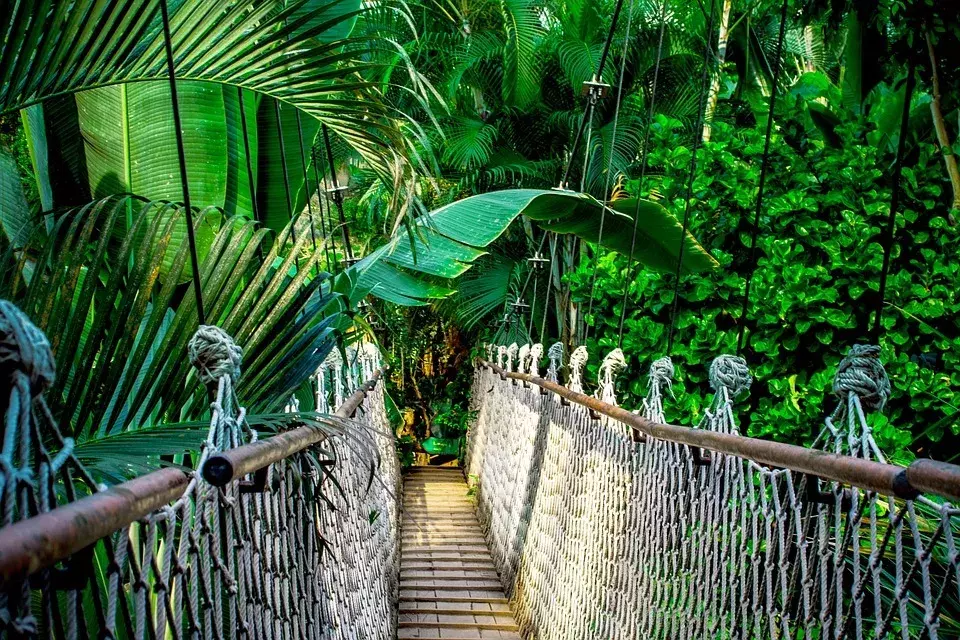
{"type": "Point", "coordinates": [659, 378]}
{"type": "Point", "coordinates": [511, 354]}
{"type": "Point", "coordinates": [613, 364]}
{"type": "Point", "coordinates": [536, 353]}
{"type": "Point", "coordinates": [555, 354]}
{"type": "Point", "coordinates": [862, 374]}
{"type": "Point", "coordinates": [523, 357]}
{"type": "Point", "coordinates": [28, 367]}
{"type": "Point", "coordinates": [577, 361]}
{"type": "Point", "coordinates": [214, 354]}
{"type": "Point", "coordinates": [730, 373]}
{"type": "Point", "coordinates": [24, 350]}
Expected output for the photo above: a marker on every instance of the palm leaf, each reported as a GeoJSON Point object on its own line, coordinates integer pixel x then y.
{"type": "Point", "coordinates": [120, 339]}
{"type": "Point", "coordinates": [446, 242]}
{"type": "Point", "coordinates": [14, 212]}
{"type": "Point", "coordinates": [52, 48]}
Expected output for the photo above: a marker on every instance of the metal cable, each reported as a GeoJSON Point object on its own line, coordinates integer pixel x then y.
{"type": "Point", "coordinates": [286, 182]}
{"type": "Point", "coordinates": [701, 115]}
{"type": "Point", "coordinates": [613, 146]}
{"type": "Point", "coordinates": [306, 183]}
{"type": "Point", "coordinates": [337, 196]}
{"type": "Point", "coordinates": [631, 264]}
{"type": "Point", "coordinates": [255, 209]}
{"type": "Point", "coordinates": [182, 157]}
{"type": "Point", "coordinates": [894, 200]}
{"type": "Point", "coordinates": [764, 163]}
{"type": "Point", "coordinates": [322, 184]}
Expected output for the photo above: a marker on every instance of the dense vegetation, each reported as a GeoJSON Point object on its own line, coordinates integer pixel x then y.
{"type": "Point", "coordinates": [429, 103]}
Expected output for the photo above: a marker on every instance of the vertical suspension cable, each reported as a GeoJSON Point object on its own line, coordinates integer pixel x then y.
{"type": "Point", "coordinates": [306, 182]}
{"type": "Point", "coordinates": [698, 130]}
{"type": "Point", "coordinates": [255, 209]}
{"type": "Point", "coordinates": [588, 112]}
{"type": "Point", "coordinates": [764, 165]}
{"type": "Point", "coordinates": [546, 304]}
{"type": "Point", "coordinates": [337, 196]}
{"type": "Point", "coordinates": [613, 146]}
{"type": "Point", "coordinates": [286, 182]}
{"type": "Point", "coordinates": [322, 187]}
{"type": "Point", "coordinates": [631, 264]}
{"type": "Point", "coordinates": [894, 201]}
{"type": "Point", "coordinates": [182, 157]}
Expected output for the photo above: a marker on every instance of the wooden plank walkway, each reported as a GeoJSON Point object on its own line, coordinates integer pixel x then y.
{"type": "Point", "coordinates": [449, 587]}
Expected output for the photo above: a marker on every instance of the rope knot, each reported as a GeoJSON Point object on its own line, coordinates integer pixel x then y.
{"type": "Point", "coordinates": [731, 373]}
{"type": "Point", "coordinates": [555, 354]}
{"type": "Point", "coordinates": [661, 374]}
{"type": "Point", "coordinates": [862, 374]}
{"type": "Point", "coordinates": [511, 354]}
{"type": "Point", "coordinates": [24, 348]}
{"type": "Point", "coordinates": [536, 353]}
{"type": "Point", "coordinates": [214, 353]}
{"type": "Point", "coordinates": [523, 355]}
{"type": "Point", "coordinates": [577, 361]}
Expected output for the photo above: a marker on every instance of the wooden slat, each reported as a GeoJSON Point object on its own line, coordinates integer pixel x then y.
{"type": "Point", "coordinates": [442, 538]}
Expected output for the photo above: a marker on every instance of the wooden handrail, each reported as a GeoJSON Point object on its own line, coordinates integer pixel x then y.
{"type": "Point", "coordinates": [928, 476]}
{"type": "Point", "coordinates": [47, 538]}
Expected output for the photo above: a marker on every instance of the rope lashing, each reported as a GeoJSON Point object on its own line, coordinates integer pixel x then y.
{"type": "Point", "coordinates": [730, 373]}
{"type": "Point", "coordinates": [536, 354]}
{"type": "Point", "coordinates": [577, 361]}
{"type": "Point", "coordinates": [511, 354]}
{"type": "Point", "coordinates": [861, 373]}
{"type": "Point", "coordinates": [214, 354]}
{"type": "Point", "coordinates": [659, 378]}
{"type": "Point", "coordinates": [24, 349]}
{"type": "Point", "coordinates": [523, 356]}
{"type": "Point", "coordinates": [612, 365]}
{"type": "Point", "coordinates": [659, 539]}
{"type": "Point", "coordinates": [555, 355]}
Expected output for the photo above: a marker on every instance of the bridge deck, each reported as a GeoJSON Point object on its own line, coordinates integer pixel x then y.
{"type": "Point", "coordinates": [449, 587]}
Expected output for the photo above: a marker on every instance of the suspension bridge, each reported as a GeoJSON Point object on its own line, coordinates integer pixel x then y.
{"type": "Point", "coordinates": [573, 518]}
{"type": "Point", "coordinates": [580, 519]}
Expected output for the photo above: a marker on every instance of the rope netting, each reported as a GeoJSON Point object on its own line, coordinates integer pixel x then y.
{"type": "Point", "coordinates": [598, 535]}
{"type": "Point", "coordinates": [299, 557]}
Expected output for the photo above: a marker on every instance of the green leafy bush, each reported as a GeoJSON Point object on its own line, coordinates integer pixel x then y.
{"type": "Point", "coordinates": [816, 283]}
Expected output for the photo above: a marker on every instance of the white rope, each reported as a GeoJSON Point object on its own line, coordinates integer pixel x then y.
{"type": "Point", "coordinates": [597, 536]}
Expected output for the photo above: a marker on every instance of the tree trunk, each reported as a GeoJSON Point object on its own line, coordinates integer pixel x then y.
{"type": "Point", "coordinates": [714, 93]}
{"type": "Point", "coordinates": [943, 136]}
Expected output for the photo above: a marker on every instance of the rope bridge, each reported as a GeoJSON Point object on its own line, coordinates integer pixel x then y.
{"type": "Point", "coordinates": [607, 524]}
{"type": "Point", "coordinates": [260, 539]}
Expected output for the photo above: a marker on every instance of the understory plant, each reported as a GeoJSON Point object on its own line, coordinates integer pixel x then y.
{"type": "Point", "coordinates": [815, 288]}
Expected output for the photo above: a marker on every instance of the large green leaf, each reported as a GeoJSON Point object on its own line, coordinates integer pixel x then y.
{"type": "Point", "coordinates": [336, 18]}
{"type": "Point", "coordinates": [238, 199]}
{"type": "Point", "coordinates": [131, 142]}
{"type": "Point", "coordinates": [521, 78]}
{"type": "Point", "coordinates": [289, 51]}
{"type": "Point", "coordinates": [658, 231]}
{"type": "Point", "coordinates": [130, 147]}
{"type": "Point", "coordinates": [446, 242]}
{"type": "Point", "coordinates": [272, 184]}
